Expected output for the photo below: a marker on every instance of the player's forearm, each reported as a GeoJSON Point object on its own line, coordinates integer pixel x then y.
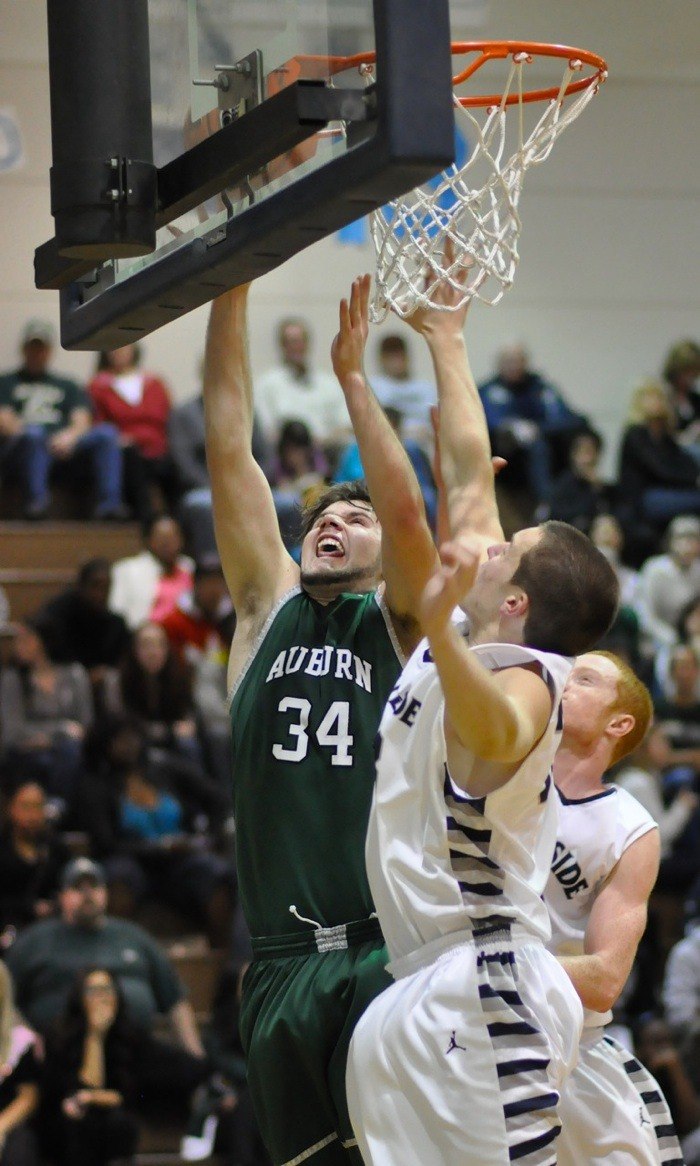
{"type": "Point", "coordinates": [228, 393]}
{"type": "Point", "coordinates": [465, 450]}
{"type": "Point", "coordinates": [391, 479]}
{"type": "Point", "coordinates": [595, 980]}
{"type": "Point", "coordinates": [464, 439]}
{"type": "Point", "coordinates": [485, 720]}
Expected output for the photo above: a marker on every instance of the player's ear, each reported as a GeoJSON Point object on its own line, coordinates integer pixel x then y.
{"type": "Point", "coordinates": [620, 725]}
{"type": "Point", "coordinates": [515, 605]}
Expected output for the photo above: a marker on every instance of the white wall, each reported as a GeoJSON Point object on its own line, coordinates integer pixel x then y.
{"type": "Point", "coordinates": [609, 273]}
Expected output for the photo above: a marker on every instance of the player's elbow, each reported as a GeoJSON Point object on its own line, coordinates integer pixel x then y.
{"type": "Point", "coordinates": [601, 997]}
{"type": "Point", "coordinates": [603, 991]}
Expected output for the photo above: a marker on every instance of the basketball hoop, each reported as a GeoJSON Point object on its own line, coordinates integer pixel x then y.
{"type": "Point", "coordinates": [464, 226]}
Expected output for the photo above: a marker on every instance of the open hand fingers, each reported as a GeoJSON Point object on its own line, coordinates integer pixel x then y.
{"type": "Point", "coordinates": [344, 316]}
{"type": "Point", "coordinates": [365, 286]}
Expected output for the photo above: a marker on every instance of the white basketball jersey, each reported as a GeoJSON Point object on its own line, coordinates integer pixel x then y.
{"type": "Point", "coordinates": [438, 860]}
{"type": "Point", "coordinates": [592, 835]}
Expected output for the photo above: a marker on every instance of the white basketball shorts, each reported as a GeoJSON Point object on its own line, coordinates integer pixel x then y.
{"type": "Point", "coordinates": [460, 1062]}
{"type": "Point", "coordinates": [613, 1112]}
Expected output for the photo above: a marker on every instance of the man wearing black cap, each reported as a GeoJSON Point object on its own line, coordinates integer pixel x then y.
{"type": "Point", "coordinates": [45, 418]}
{"type": "Point", "coordinates": [47, 955]}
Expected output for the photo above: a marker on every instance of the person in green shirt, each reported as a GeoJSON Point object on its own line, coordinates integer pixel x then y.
{"type": "Point", "coordinates": [316, 652]}
{"type": "Point", "coordinates": [44, 419]}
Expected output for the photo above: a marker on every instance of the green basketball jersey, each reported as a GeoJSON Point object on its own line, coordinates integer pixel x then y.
{"type": "Point", "coordinates": [305, 715]}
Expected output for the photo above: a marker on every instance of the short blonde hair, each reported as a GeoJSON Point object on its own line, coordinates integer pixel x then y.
{"type": "Point", "coordinates": [638, 413]}
{"type": "Point", "coordinates": [633, 698]}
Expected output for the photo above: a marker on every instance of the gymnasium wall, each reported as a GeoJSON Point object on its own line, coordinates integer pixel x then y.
{"type": "Point", "coordinates": [610, 250]}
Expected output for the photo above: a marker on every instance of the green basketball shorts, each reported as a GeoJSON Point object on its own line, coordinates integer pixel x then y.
{"type": "Point", "coordinates": [297, 1017]}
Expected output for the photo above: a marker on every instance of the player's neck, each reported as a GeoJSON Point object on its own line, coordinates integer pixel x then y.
{"type": "Point", "coordinates": [485, 631]}
{"type": "Point", "coordinates": [578, 769]}
{"type": "Point", "coordinates": [326, 592]}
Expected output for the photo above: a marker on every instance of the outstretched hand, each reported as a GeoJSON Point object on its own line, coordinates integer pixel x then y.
{"type": "Point", "coordinates": [443, 294]}
{"type": "Point", "coordinates": [454, 578]}
{"type": "Point", "coordinates": [348, 347]}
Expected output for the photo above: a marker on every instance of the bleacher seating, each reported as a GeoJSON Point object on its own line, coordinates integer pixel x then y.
{"type": "Point", "coordinates": [37, 560]}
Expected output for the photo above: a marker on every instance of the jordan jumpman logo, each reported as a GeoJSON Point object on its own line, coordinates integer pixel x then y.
{"type": "Point", "coordinates": [453, 1044]}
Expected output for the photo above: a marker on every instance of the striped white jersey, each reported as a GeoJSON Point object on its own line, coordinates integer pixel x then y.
{"type": "Point", "coordinates": [438, 860]}
{"type": "Point", "coordinates": [592, 835]}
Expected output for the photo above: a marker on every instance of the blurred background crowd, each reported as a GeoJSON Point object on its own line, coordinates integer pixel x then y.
{"type": "Point", "coordinates": [117, 869]}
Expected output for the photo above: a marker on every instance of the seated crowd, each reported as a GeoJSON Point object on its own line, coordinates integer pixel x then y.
{"type": "Point", "coordinates": [115, 735]}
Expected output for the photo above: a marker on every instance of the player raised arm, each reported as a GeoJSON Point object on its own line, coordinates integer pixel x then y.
{"type": "Point", "coordinates": [616, 926]}
{"type": "Point", "coordinates": [465, 450]}
{"type": "Point", "coordinates": [257, 567]}
{"type": "Point", "coordinates": [496, 718]}
{"type": "Point", "coordinates": [408, 552]}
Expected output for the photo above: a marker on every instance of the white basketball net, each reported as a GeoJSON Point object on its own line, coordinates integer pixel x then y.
{"type": "Point", "coordinates": [475, 206]}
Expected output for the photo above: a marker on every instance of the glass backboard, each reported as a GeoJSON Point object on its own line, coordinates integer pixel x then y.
{"type": "Point", "coordinates": [310, 132]}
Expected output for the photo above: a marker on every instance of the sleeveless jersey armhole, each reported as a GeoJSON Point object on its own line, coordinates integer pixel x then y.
{"type": "Point", "coordinates": [257, 643]}
{"type": "Point", "coordinates": [386, 615]}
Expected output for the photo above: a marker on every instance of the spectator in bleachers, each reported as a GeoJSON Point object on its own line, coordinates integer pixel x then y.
{"type": "Point", "coordinates": [609, 537]}
{"type": "Point", "coordinates": [678, 709]}
{"type": "Point", "coordinates": [670, 794]}
{"type": "Point", "coordinates": [203, 619]}
{"type": "Point", "coordinates": [117, 745]}
{"type": "Point", "coordinates": [78, 627]}
{"type": "Point", "coordinates": [395, 387]}
{"type": "Point", "coordinates": [91, 1075]}
{"type": "Point", "coordinates": [656, 1048]}
{"type": "Point", "coordinates": [155, 685]}
{"type": "Point", "coordinates": [299, 464]}
{"type": "Point", "coordinates": [200, 630]}
{"type": "Point", "coordinates": [210, 692]}
{"type": "Point", "coordinates": [681, 988]}
{"type": "Point", "coordinates": [45, 710]}
{"type": "Point", "coordinates": [580, 494]}
{"type": "Point", "coordinates": [350, 468]}
{"type": "Point", "coordinates": [529, 422]}
{"type": "Point", "coordinates": [154, 824]}
{"type": "Point", "coordinates": [238, 1139]}
{"type": "Point", "coordinates": [19, 1082]}
{"type": "Point", "coordinates": [687, 633]}
{"type": "Point", "coordinates": [148, 585]}
{"type": "Point", "coordinates": [623, 637]}
{"type": "Point", "coordinates": [45, 420]}
{"type": "Point", "coordinates": [32, 856]}
{"type": "Point", "coordinates": [657, 478]}
{"type": "Point", "coordinates": [675, 748]}
{"type": "Point", "coordinates": [641, 776]}
{"type": "Point", "coordinates": [7, 634]}
{"type": "Point", "coordinates": [297, 391]}
{"type": "Point", "coordinates": [4, 608]}
{"type": "Point", "coordinates": [682, 373]}
{"type": "Point", "coordinates": [46, 957]}
{"type": "Point", "coordinates": [669, 581]}
{"type": "Point", "coordinates": [188, 453]}
{"type": "Point", "coordinates": [688, 628]}
{"type": "Point", "coordinates": [137, 404]}
{"type": "Point", "coordinates": [297, 473]}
